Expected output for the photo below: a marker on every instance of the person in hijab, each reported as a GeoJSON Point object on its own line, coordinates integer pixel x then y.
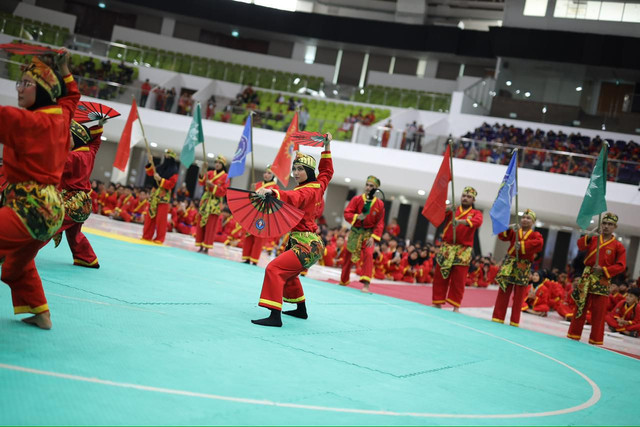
{"type": "Point", "coordinates": [165, 176]}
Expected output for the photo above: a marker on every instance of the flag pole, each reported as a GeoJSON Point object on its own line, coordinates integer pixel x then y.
{"type": "Point", "coordinates": [253, 177]}
{"type": "Point", "coordinates": [598, 237]}
{"type": "Point", "coordinates": [453, 193]}
{"type": "Point", "coordinates": [517, 230]}
{"type": "Point", "coordinates": [146, 142]}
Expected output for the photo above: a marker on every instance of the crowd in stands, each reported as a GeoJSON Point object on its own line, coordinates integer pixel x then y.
{"type": "Point", "coordinates": [93, 75]}
{"type": "Point", "coordinates": [346, 128]}
{"type": "Point", "coordinates": [539, 146]}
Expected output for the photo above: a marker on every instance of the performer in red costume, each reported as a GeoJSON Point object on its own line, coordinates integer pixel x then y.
{"type": "Point", "coordinates": [365, 213]}
{"type": "Point", "coordinates": [305, 246]}
{"type": "Point", "coordinates": [215, 188]}
{"type": "Point", "coordinates": [36, 142]}
{"type": "Point", "coordinates": [75, 187]}
{"type": "Point", "coordinates": [252, 246]}
{"type": "Point", "coordinates": [454, 257]}
{"type": "Point", "coordinates": [166, 176]}
{"type": "Point", "coordinates": [514, 273]}
{"type": "Point", "coordinates": [592, 293]}
{"type": "Point", "coordinates": [625, 317]}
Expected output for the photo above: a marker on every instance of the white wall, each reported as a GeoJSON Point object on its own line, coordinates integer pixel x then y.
{"type": "Point", "coordinates": [400, 81]}
{"type": "Point", "coordinates": [220, 53]}
{"type": "Point", "coordinates": [513, 17]}
{"type": "Point", "coordinates": [42, 14]}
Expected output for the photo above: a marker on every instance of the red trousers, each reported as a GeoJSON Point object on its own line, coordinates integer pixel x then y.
{"type": "Point", "coordinates": [597, 304]}
{"type": "Point", "coordinates": [81, 249]}
{"type": "Point", "coordinates": [19, 249]}
{"type": "Point", "coordinates": [366, 257]}
{"type": "Point", "coordinates": [449, 290]}
{"type": "Point", "coordinates": [281, 281]}
{"type": "Point", "coordinates": [565, 310]}
{"type": "Point", "coordinates": [252, 248]}
{"type": "Point", "coordinates": [502, 302]}
{"type": "Point", "coordinates": [205, 235]}
{"type": "Point", "coordinates": [157, 225]}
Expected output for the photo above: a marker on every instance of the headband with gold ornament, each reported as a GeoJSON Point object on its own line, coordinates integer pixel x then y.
{"type": "Point", "coordinates": [305, 160]}
{"type": "Point", "coordinates": [375, 181]}
{"type": "Point", "coordinates": [470, 190]}
{"type": "Point", "coordinates": [44, 76]}
{"type": "Point", "coordinates": [80, 132]}
{"type": "Point", "coordinates": [531, 213]}
{"type": "Point", "coordinates": [611, 217]}
{"type": "Point", "coordinates": [220, 158]}
{"type": "Point", "coordinates": [170, 153]}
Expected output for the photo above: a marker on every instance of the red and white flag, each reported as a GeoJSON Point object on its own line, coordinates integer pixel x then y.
{"type": "Point", "coordinates": [281, 166]}
{"type": "Point", "coordinates": [131, 135]}
{"type": "Point", "coordinates": [436, 204]}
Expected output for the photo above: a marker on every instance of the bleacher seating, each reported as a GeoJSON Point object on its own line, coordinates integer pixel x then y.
{"type": "Point", "coordinates": [33, 30]}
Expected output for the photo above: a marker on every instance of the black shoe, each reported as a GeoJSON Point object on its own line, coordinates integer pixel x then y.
{"type": "Point", "coordinates": [300, 312]}
{"type": "Point", "coordinates": [274, 319]}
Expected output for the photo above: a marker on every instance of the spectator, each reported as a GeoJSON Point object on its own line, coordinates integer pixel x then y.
{"type": "Point", "coordinates": [170, 98]}
{"type": "Point", "coordinates": [144, 92]}
{"type": "Point", "coordinates": [303, 118]}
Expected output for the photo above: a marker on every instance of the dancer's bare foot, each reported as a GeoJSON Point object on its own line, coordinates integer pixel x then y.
{"type": "Point", "coordinates": [437, 305]}
{"type": "Point", "coordinates": [42, 320]}
{"type": "Point", "coordinates": [456, 309]}
{"type": "Point", "coordinates": [365, 289]}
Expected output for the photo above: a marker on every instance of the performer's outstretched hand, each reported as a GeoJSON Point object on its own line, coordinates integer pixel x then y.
{"type": "Point", "coordinates": [327, 142]}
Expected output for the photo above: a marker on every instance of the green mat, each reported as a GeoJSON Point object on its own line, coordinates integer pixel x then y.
{"type": "Point", "coordinates": [161, 335]}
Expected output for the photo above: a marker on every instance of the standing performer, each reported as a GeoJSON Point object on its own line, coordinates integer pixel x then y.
{"type": "Point", "coordinates": [252, 246]}
{"type": "Point", "coordinates": [454, 257]}
{"type": "Point", "coordinates": [215, 188]}
{"type": "Point", "coordinates": [36, 143]}
{"type": "Point", "coordinates": [305, 246]}
{"type": "Point", "coordinates": [592, 293]}
{"type": "Point", "coordinates": [514, 273]}
{"type": "Point", "coordinates": [75, 187]}
{"type": "Point", "coordinates": [365, 213]}
{"type": "Point", "coordinates": [166, 176]}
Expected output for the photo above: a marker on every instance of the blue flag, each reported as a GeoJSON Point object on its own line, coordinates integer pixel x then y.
{"type": "Point", "coordinates": [244, 148]}
{"type": "Point", "coordinates": [501, 210]}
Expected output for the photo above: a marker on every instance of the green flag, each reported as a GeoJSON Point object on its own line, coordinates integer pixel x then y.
{"type": "Point", "coordinates": [594, 202]}
{"type": "Point", "coordinates": [194, 137]}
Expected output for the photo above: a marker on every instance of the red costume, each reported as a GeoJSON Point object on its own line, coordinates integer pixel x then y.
{"type": "Point", "coordinates": [393, 229]}
{"type": "Point", "coordinates": [372, 226]}
{"type": "Point", "coordinates": [624, 311]}
{"type": "Point", "coordinates": [109, 203]}
{"type": "Point", "coordinates": [36, 144]}
{"type": "Point", "coordinates": [76, 186]}
{"type": "Point", "coordinates": [304, 247]}
{"type": "Point", "coordinates": [252, 246]}
{"type": "Point", "coordinates": [453, 259]}
{"type": "Point", "coordinates": [514, 274]}
{"type": "Point", "coordinates": [136, 211]}
{"type": "Point", "coordinates": [156, 219]}
{"type": "Point", "coordinates": [215, 188]}
{"type": "Point", "coordinates": [593, 291]}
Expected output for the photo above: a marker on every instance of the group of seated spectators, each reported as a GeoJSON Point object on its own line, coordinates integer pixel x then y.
{"type": "Point", "coordinates": [92, 79]}
{"type": "Point", "coordinates": [546, 151]}
{"type": "Point", "coordinates": [346, 128]}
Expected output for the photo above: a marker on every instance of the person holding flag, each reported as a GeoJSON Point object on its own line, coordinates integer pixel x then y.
{"type": "Point", "coordinates": [516, 267]}
{"type": "Point", "coordinates": [165, 176]}
{"type": "Point", "coordinates": [305, 246]}
{"type": "Point", "coordinates": [215, 184]}
{"type": "Point", "coordinates": [252, 246]}
{"type": "Point", "coordinates": [365, 213]}
{"type": "Point", "coordinates": [454, 257]}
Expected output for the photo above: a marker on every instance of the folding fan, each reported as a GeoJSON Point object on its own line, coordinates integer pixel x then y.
{"type": "Point", "coordinates": [262, 217]}
{"type": "Point", "coordinates": [312, 139]}
{"type": "Point", "coordinates": [28, 49]}
{"type": "Point", "coordinates": [90, 111]}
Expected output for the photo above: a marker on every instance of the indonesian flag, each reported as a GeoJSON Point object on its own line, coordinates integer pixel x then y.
{"type": "Point", "coordinates": [131, 135]}
{"type": "Point", "coordinates": [281, 166]}
{"type": "Point", "coordinates": [436, 204]}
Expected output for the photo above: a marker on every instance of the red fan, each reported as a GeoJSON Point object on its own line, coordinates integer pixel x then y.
{"type": "Point", "coordinates": [28, 49]}
{"type": "Point", "coordinates": [90, 111]}
{"type": "Point", "coordinates": [312, 139]}
{"type": "Point", "coordinates": [268, 217]}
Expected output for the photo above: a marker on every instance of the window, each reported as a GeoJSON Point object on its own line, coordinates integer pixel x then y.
{"type": "Point", "coordinates": [615, 11]}
{"type": "Point", "coordinates": [535, 8]}
{"type": "Point", "coordinates": [631, 12]}
{"type": "Point", "coordinates": [610, 11]}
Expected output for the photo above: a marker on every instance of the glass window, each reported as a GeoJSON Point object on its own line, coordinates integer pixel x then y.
{"type": "Point", "coordinates": [611, 11]}
{"type": "Point", "coordinates": [535, 8]}
{"type": "Point", "coordinates": [591, 10]}
{"type": "Point", "coordinates": [564, 9]}
{"type": "Point", "coordinates": [631, 12]}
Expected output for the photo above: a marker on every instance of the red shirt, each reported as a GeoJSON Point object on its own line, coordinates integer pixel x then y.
{"type": "Point", "coordinates": [308, 197]}
{"type": "Point", "coordinates": [613, 255]}
{"type": "Point", "coordinates": [394, 230]}
{"type": "Point", "coordinates": [374, 220]}
{"type": "Point", "coordinates": [464, 233]}
{"type": "Point", "coordinates": [533, 243]}
{"type": "Point", "coordinates": [271, 184]}
{"type": "Point", "coordinates": [36, 143]}
{"type": "Point", "coordinates": [79, 164]}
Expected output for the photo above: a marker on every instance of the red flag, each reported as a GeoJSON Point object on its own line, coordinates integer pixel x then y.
{"type": "Point", "coordinates": [281, 166]}
{"type": "Point", "coordinates": [436, 204]}
{"type": "Point", "coordinates": [131, 134]}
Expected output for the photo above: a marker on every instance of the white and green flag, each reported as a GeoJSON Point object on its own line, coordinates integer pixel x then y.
{"type": "Point", "coordinates": [194, 137]}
